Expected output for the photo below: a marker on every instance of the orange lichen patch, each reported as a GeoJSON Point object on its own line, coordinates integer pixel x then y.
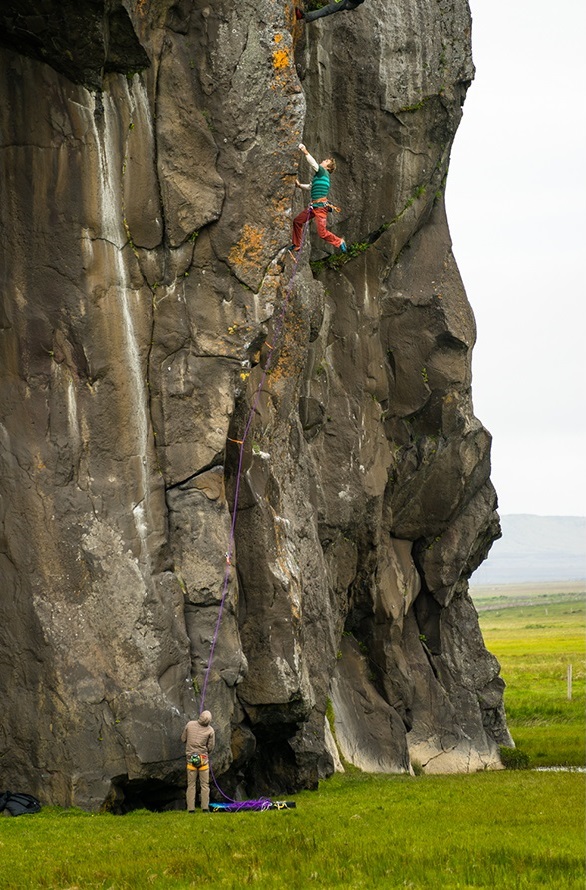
{"type": "Point", "coordinates": [281, 59]}
{"type": "Point", "coordinates": [249, 252]}
{"type": "Point", "coordinates": [277, 38]}
{"type": "Point", "coordinates": [292, 348]}
{"type": "Point", "coordinates": [279, 210]}
{"type": "Point", "coordinates": [285, 78]}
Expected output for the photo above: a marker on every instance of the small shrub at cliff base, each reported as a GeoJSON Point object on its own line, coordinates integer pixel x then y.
{"type": "Point", "coordinates": [513, 758]}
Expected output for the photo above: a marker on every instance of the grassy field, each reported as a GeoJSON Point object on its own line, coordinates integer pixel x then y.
{"type": "Point", "coordinates": [536, 632]}
{"type": "Point", "coordinates": [512, 830]}
{"type": "Point", "coordinates": [516, 830]}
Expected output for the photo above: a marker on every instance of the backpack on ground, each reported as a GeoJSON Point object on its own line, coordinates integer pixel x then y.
{"type": "Point", "coordinates": [19, 804]}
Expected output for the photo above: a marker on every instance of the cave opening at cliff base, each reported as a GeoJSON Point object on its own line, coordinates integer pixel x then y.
{"type": "Point", "coordinates": [127, 795]}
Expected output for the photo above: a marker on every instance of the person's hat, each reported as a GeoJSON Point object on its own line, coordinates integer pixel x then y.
{"type": "Point", "coordinates": [205, 717]}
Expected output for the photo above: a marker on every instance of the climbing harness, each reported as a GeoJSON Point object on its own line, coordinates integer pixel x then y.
{"type": "Point", "coordinates": [198, 761]}
{"type": "Point", "coordinates": [262, 803]}
{"type": "Point", "coordinates": [326, 205]}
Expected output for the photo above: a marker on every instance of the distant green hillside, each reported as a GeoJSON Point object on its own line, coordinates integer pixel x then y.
{"type": "Point", "coordinates": [536, 548]}
{"type": "Point", "coordinates": [535, 636]}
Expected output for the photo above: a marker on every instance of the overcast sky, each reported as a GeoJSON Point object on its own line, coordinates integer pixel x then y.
{"type": "Point", "coordinates": [516, 207]}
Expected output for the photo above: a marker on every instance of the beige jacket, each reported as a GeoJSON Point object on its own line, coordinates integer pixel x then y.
{"type": "Point", "coordinates": [199, 738]}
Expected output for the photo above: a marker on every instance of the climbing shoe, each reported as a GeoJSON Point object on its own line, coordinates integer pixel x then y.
{"type": "Point", "coordinates": [343, 247]}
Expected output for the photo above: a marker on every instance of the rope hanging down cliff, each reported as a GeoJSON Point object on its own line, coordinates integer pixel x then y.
{"type": "Point", "coordinates": [241, 442]}
{"type": "Point", "coordinates": [263, 803]}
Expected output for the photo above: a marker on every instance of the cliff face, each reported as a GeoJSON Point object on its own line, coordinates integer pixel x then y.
{"type": "Point", "coordinates": [149, 152]}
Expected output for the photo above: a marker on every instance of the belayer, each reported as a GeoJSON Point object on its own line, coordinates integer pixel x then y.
{"type": "Point", "coordinates": [319, 206]}
{"type": "Point", "coordinates": [199, 739]}
{"type": "Point", "coordinates": [329, 9]}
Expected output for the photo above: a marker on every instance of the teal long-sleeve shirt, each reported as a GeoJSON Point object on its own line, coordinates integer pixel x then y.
{"type": "Point", "coordinates": [320, 184]}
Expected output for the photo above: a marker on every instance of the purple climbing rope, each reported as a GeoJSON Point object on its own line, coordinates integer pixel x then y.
{"type": "Point", "coordinates": [262, 803]}
{"type": "Point", "coordinates": [276, 335]}
{"type": "Point", "coordinates": [238, 806]}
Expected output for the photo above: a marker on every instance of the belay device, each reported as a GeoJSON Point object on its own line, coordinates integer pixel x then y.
{"type": "Point", "coordinates": [198, 760]}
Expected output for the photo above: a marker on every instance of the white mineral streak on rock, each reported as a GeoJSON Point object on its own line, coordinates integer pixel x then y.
{"type": "Point", "coordinates": [134, 400]}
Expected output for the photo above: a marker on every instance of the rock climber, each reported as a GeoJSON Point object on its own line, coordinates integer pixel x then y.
{"type": "Point", "coordinates": [318, 208]}
{"type": "Point", "coordinates": [329, 9]}
{"type": "Point", "coordinates": [200, 739]}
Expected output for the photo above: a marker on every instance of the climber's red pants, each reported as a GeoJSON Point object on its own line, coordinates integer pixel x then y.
{"type": "Point", "coordinates": [321, 218]}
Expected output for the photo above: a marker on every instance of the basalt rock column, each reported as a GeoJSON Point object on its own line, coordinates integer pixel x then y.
{"type": "Point", "coordinates": [149, 152]}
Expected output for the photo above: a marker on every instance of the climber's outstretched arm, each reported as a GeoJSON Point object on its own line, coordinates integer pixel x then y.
{"type": "Point", "coordinates": [309, 158]}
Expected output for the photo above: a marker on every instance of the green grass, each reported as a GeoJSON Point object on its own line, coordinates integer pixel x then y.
{"type": "Point", "coordinates": [512, 830]}
{"type": "Point", "coordinates": [535, 640]}
{"type": "Point", "coordinates": [498, 829]}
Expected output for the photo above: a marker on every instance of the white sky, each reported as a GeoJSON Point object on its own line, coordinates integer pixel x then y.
{"type": "Point", "coordinates": [516, 208]}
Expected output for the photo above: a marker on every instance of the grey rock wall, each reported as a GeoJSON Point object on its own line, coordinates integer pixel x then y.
{"type": "Point", "coordinates": [148, 158]}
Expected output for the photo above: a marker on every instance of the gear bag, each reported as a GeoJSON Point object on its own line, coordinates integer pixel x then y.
{"type": "Point", "coordinates": [19, 804]}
